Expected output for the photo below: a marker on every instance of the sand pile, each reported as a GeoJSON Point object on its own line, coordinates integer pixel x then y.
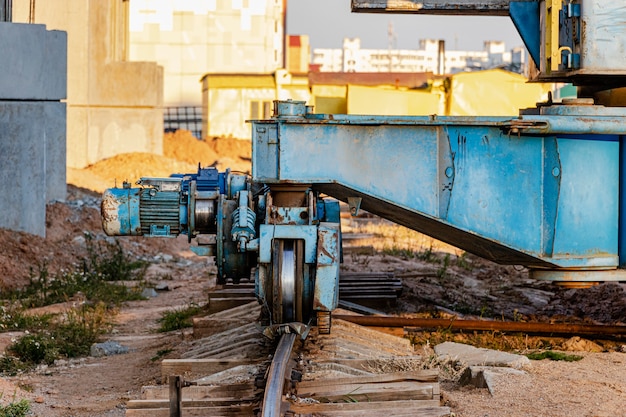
{"type": "Point", "coordinates": [181, 154]}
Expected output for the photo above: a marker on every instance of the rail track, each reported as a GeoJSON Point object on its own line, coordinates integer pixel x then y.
{"type": "Point", "coordinates": [353, 371]}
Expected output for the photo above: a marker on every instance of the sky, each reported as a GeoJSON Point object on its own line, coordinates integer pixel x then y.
{"type": "Point", "coordinates": [328, 22]}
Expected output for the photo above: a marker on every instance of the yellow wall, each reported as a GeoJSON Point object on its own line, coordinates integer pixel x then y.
{"type": "Point", "coordinates": [482, 93]}
{"type": "Point", "coordinates": [393, 102]}
{"type": "Point", "coordinates": [493, 93]}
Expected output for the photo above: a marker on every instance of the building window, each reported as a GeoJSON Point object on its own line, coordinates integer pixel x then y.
{"type": "Point", "coordinates": [254, 110]}
{"type": "Point", "coordinates": [260, 109]}
{"type": "Point", "coordinates": [267, 109]}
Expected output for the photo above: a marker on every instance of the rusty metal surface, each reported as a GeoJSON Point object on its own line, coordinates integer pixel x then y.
{"type": "Point", "coordinates": [483, 325]}
{"type": "Point", "coordinates": [445, 7]}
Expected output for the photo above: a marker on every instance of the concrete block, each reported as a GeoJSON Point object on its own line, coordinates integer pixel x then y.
{"type": "Point", "coordinates": [33, 64]}
{"type": "Point", "coordinates": [486, 376]}
{"type": "Point", "coordinates": [97, 133]}
{"type": "Point", "coordinates": [135, 84]}
{"type": "Point", "coordinates": [32, 136]}
{"type": "Point", "coordinates": [56, 150]}
{"type": "Point", "coordinates": [472, 356]}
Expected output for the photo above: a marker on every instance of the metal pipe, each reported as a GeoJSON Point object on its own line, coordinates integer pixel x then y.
{"type": "Point", "coordinates": [273, 396]}
{"type": "Point", "coordinates": [484, 325]}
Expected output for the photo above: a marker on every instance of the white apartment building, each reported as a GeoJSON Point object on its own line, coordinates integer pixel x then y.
{"type": "Point", "coordinates": [430, 57]}
{"type": "Point", "coordinates": [191, 38]}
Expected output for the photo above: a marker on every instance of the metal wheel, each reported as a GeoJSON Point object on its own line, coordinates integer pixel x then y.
{"type": "Point", "coordinates": [287, 280]}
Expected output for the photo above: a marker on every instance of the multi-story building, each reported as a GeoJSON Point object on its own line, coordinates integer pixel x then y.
{"type": "Point", "coordinates": [190, 38]}
{"type": "Point", "coordinates": [430, 57]}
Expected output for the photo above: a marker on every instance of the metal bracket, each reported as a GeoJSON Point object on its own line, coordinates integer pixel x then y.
{"type": "Point", "coordinates": [355, 204]}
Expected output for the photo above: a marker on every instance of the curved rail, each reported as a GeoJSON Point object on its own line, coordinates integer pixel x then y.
{"type": "Point", "coordinates": [273, 396]}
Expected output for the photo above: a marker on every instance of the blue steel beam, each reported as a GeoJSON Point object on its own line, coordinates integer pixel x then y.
{"type": "Point", "coordinates": [515, 191]}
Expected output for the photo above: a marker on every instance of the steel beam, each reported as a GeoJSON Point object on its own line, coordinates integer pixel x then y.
{"type": "Point", "coordinates": [446, 7]}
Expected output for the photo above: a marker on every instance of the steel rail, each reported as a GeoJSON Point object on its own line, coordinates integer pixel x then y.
{"type": "Point", "coordinates": [485, 325]}
{"type": "Point", "coordinates": [273, 396]}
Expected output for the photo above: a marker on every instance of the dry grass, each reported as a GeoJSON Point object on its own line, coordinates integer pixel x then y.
{"type": "Point", "coordinates": [389, 237]}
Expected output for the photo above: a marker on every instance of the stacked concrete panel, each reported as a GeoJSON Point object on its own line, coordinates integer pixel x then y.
{"type": "Point", "coordinates": [32, 124]}
{"type": "Point", "coordinates": [114, 106]}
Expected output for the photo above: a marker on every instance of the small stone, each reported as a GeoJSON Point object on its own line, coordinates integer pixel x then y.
{"type": "Point", "coordinates": [108, 348]}
{"type": "Point", "coordinates": [162, 287]}
{"type": "Point", "coordinates": [149, 293]}
{"type": "Point", "coordinates": [39, 400]}
{"type": "Point", "coordinates": [577, 344]}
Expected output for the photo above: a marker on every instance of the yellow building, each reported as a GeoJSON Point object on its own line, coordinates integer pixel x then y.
{"type": "Point", "coordinates": [228, 100]}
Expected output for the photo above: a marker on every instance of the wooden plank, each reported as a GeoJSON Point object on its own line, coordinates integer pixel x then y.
{"type": "Point", "coordinates": [373, 392]}
{"type": "Point", "coordinates": [204, 327]}
{"type": "Point", "coordinates": [418, 376]}
{"type": "Point", "coordinates": [220, 304]}
{"type": "Point", "coordinates": [442, 7]}
{"type": "Point", "coordinates": [247, 310]}
{"type": "Point", "coordinates": [410, 362]}
{"type": "Point", "coordinates": [386, 408]}
{"type": "Point", "coordinates": [201, 366]}
{"type": "Point", "coordinates": [232, 293]}
{"type": "Point", "coordinates": [358, 308]}
{"type": "Point", "coordinates": [402, 412]}
{"type": "Point", "coordinates": [202, 392]}
{"type": "Point", "coordinates": [227, 411]}
{"type": "Point", "coordinates": [213, 402]}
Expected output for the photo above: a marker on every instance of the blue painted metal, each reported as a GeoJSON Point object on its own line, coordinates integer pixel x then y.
{"type": "Point", "coordinates": [332, 211]}
{"type": "Point", "coordinates": [326, 293]}
{"type": "Point", "coordinates": [511, 190]}
{"type": "Point", "coordinates": [525, 17]}
{"type": "Point", "coordinates": [268, 232]}
{"type": "Point", "coordinates": [120, 212]}
{"type": "Point", "coordinates": [622, 203]}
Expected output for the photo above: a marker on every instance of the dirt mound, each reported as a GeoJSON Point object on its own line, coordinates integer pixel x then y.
{"type": "Point", "coordinates": [65, 244]}
{"type": "Point", "coordinates": [604, 303]}
{"type": "Point", "coordinates": [222, 153]}
{"type": "Point", "coordinates": [182, 154]}
{"type": "Point", "coordinates": [183, 146]}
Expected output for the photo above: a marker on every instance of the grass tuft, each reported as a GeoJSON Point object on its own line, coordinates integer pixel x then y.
{"type": "Point", "coordinates": [95, 286]}
{"type": "Point", "coordinates": [554, 356]}
{"type": "Point", "coordinates": [178, 318]}
{"type": "Point", "coordinates": [15, 409]}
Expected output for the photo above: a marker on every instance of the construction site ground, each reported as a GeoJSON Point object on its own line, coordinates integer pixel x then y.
{"type": "Point", "coordinates": [437, 280]}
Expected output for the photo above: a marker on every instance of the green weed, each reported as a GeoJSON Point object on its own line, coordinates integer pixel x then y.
{"type": "Point", "coordinates": [15, 409]}
{"type": "Point", "coordinates": [554, 356]}
{"type": "Point", "coordinates": [69, 337]}
{"type": "Point", "coordinates": [109, 262]}
{"type": "Point", "coordinates": [48, 337]}
{"type": "Point", "coordinates": [178, 318]}
{"type": "Point", "coordinates": [160, 353]}
{"type": "Point", "coordinates": [13, 317]}
{"type": "Point", "coordinates": [94, 277]}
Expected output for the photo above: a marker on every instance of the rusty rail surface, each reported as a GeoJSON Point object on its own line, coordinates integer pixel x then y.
{"type": "Point", "coordinates": [484, 325]}
{"type": "Point", "coordinates": [273, 396]}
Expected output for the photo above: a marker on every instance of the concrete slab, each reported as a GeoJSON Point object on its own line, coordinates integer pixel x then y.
{"type": "Point", "coordinates": [472, 356]}
{"type": "Point", "coordinates": [487, 376]}
{"type": "Point", "coordinates": [32, 145]}
{"type": "Point", "coordinates": [34, 62]}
